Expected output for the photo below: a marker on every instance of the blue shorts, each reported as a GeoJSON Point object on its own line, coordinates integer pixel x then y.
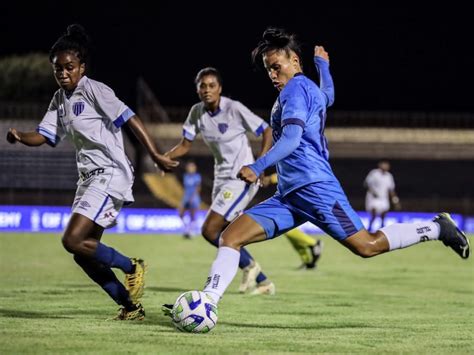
{"type": "Point", "coordinates": [321, 203]}
{"type": "Point", "coordinates": [191, 203]}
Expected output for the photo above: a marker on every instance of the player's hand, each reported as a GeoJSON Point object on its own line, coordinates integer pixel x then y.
{"type": "Point", "coordinates": [246, 174]}
{"type": "Point", "coordinates": [320, 52]}
{"type": "Point", "coordinates": [13, 136]}
{"type": "Point", "coordinates": [164, 163]}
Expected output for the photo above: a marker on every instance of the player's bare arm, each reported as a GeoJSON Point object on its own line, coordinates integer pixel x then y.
{"type": "Point", "coordinates": [32, 139]}
{"type": "Point", "coordinates": [267, 141]}
{"type": "Point", "coordinates": [179, 150]}
{"type": "Point", "coordinates": [164, 162]}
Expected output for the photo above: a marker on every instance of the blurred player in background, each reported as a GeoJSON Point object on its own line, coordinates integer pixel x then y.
{"type": "Point", "coordinates": [191, 198]}
{"type": "Point", "coordinates": [89, 115]}
{"type": "Point", "coordinates": [307, 248]}
{"type": "Point", "coordinates": [223, 124]}
{"type": "Point", "coordinates": [307, 188]}
{"type": "Point", "coordinates": [380, 187]}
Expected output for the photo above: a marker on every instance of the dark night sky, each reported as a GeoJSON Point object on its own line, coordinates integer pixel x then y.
{"type": "Point", "coordinates": [399, 57]}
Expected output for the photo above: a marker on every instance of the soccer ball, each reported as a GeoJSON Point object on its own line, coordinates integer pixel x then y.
{"type": "Point", "coordinates": [194, 312]}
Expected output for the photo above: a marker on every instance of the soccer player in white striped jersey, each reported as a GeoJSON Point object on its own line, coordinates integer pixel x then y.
{"type": "Point", "coordinates": [223, 124]}
{"type": "Point", "coordinates": [90, 116]}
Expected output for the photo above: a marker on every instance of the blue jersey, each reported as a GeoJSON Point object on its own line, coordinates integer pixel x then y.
{"type": "Point", "coordinates": [191, 183]}
{"type": "Point", "coordinates": [301, 102]}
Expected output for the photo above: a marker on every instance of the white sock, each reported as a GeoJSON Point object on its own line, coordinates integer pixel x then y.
{"type": "Point", "coordinates": [402, 235]}
{"type": "Point", "coordinates": [222, 272]}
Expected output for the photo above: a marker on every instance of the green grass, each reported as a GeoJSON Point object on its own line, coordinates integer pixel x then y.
{"type": "Point", "coordinates": [417, 300]}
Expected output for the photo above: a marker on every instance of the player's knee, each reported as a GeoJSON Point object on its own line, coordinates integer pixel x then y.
{"type": "Point", "coordinates": [365, 251]}
{"type": "Point", "coordinates": [209, 231]}
{"type": "Point", "coordinates": [70, 243]}
{"type": "Point", "coordinates": [231, 240]}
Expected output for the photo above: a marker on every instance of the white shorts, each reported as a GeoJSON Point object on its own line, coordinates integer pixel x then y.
{"type": "Point", "coordinates": [380, 205]}
{"type": "Point", "coordinates": [97, 205]}
{"type": "Point", "coordinates": [230, 197]}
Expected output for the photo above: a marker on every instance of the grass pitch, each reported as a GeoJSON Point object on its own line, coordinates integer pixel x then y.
{"type": "Point", "coordinates": [417, 300]}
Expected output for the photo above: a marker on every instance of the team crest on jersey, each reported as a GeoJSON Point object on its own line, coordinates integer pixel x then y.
{"type": "Point", "coordinates": [223, 127]}
{"type": "Point", "coordinates": [78, 107]}
{"type": "Point", "coordinates": [227, 195]}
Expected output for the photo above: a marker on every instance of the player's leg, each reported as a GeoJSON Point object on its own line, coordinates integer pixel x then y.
{"type": "Point", "coordinates": [212, 228]}
{"type": "Point", "coordinates": [106, 279]}
{"type": "Point", "coordinates": [333, 213]}
{"type": "Point", "coordinates": [373, 216]}
{"type": "Point", "coordinates": [182, 211]}
{"type": "Point", "coordinates": [93, 207]}
{"type": "Point", "coordinates": [307, 248]}
{"type": "Point", "coordinates": [263, 221]}
{"type": "Point", "coordinates": [382, 218]}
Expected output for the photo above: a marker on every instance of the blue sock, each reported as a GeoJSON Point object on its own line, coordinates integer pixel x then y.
{"type": "Point", "coordinates": [105, 278]}
{"type": "Point", "coordinates": [245, 257]}
{"type": "Point", "coordinates": [118, 293]}
{"type": "Point", "coordinates": [261, 277]}
{"type": "Point", "coordinates": [112, 258]}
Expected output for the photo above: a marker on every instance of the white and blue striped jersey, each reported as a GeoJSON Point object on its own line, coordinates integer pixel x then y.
{"type": "Point", "coordinates": [224, 132]}
{"type": "Point", "coordinates": [91, 118]}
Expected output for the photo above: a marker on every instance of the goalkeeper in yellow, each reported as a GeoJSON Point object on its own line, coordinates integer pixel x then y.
{"type": "Point", "coordinates": [307, 248]}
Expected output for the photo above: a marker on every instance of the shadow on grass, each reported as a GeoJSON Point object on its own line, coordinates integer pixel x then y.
{"type": "Point", "coordinates": [165, 289]}
{"type": "Point", "coordinates": [302, 327]}
{"type": "Point", "coordinates": [14, 313]}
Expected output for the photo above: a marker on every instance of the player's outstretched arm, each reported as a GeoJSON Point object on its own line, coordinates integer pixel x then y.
{"type": "Point", "coordinates": [179, 150]}
{"type": "Point", "coordinates": [321, 61]}
{"type": "Point", "coordinates": [32, 139]}
{"type": "Point", "coordinates": [164, 162]}
{"type": "Point", "coordinates": [288, 142]}
{"type": "Point", "coordinates": [267, 141]}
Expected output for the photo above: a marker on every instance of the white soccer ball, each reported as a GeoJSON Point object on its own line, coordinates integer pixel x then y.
{"type": "Point", "coordinates": [194, 312]}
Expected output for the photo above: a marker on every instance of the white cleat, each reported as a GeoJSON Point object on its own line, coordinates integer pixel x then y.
{"type": "Point", "coordinates": [264, 288]}
{"type": "Point", "coordinates": [249, 278]}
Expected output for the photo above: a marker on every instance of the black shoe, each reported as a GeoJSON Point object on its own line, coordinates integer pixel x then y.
{"type": "Point", "coordinates": [187, 236]}
{"type": "Point", "coordinates": [451, 235]}
{"type": "Point", "coordinates": [167, 310]}
{"type": "Point", "coordinates": [316, 251]}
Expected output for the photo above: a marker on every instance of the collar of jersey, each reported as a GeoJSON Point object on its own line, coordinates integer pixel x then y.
{"type": "Point", "coordinates": [78, 88]}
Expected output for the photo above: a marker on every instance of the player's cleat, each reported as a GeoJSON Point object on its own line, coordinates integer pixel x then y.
{"type": "Point", "coordinates": [136, 314]}
{"type": "Point", "coordinates": [187, 236]}
{"type": "Point", "coordinates": [316, 251]}
{"type": "Point", "coordinates": [249, 278]}
{"type": "Point", "coordinates": [264, 288]}
{"type": "Point", "coordinates": [135, 282]}
{"type": "Point", "coordinates": [452, 236]}
{"type": "Point", "coordinates": [167, 310]}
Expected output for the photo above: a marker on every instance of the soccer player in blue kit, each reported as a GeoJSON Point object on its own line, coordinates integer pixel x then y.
{"type": "Point", "coordinates": [307, 187]}
{"type": "Point", "coordinates": [191, 198]}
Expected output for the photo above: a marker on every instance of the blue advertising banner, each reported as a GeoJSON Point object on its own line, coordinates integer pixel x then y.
{"type": "Point", "coordinates": [140, 220]}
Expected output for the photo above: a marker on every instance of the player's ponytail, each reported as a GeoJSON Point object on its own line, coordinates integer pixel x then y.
{"type": "Point", "coordinates": [75, 40]}
{"type": "Point", "coordinates": [276, 39]}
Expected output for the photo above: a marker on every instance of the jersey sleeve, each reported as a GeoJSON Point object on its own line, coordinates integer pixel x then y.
{"type": "Point", "coordinates": [50, 126]}
{"type": "Point", "coordinates": [392, 183]}
{"type": "Point", "coordinates": [190, 126]}
{"type": "Point", "coordinates": [105, 101]}
{"type": "Point", "coordinates": [251, 121]}
{"type": "Point", "coordinates": [369, 180]}
{"type": "Point", "coordinates": [294, 106]}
